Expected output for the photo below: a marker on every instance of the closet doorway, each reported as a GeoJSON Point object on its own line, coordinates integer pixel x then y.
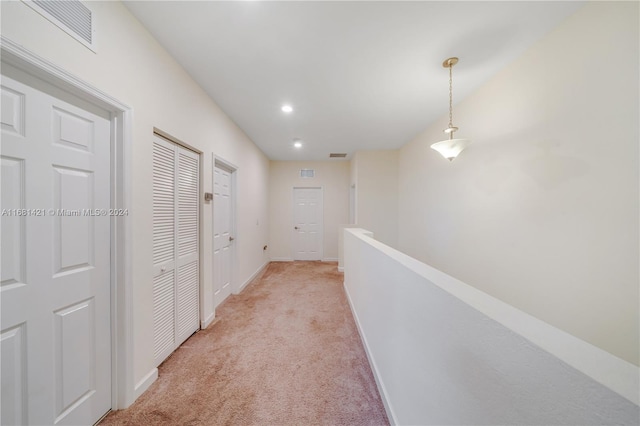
{"type": "Point", "coordinates": [176, 269]}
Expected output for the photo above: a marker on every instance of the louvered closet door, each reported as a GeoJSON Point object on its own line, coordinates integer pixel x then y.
{"type": "Point", "coordinates": [187, 259]}
{"type": "Point", "coordinates": [164, 243]}
{"type": "Point", "coordinates": [175, 246]}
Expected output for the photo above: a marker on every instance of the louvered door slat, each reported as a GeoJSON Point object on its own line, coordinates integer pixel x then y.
{"type": "Point", "coordinates": [163, 203]}
{"type": "Point", "coordinates": [187, 300]}
{"type": "Point", "coordinates": [163, 315]}
{"type": "Point", "coordinates": [187, 203]}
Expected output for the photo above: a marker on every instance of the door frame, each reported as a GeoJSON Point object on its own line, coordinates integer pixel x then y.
{"type": "Point", "coordinates": [122, 380]}
{"type": "Point", "coordinates": [293, 218]}
{"type": "Point", "coordinates": [232, 169]}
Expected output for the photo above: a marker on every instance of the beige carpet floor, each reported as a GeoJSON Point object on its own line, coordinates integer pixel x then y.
{"type": "Point", "coordinates": [286, 351]}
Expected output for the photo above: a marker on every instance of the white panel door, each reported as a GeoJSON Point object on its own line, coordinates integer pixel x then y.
{"type": "Point", "coordinates": [307, 219]}
{"type": "Point", "coordinates": [222, 234]}
{"type": "Point", "coordinates": [175, 246]}
{"type": "Point", "coordinates": [55, 273]}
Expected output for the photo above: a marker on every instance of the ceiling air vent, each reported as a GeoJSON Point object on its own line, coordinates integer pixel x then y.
{"type": "Point", "coordinates": [307, 173]}
{"type": "Point", "coordinates": [337, 155]}
{"type": "Point", "coordinates": [71, 16]}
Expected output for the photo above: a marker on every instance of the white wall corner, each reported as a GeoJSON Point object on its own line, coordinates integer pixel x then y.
{"type": "Point", "coordinates": [208, 320]}
{"type": "Point", "coordinates": [145, 383]}
{"type": "Point", "coordinates": [252, 277]}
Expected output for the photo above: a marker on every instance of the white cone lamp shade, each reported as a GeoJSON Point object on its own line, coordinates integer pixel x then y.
{"type": "Point", "coordinates": [450, 148]}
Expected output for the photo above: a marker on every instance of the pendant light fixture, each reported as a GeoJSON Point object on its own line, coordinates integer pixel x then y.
{"type": "Point", "coordinates": [450, 148]}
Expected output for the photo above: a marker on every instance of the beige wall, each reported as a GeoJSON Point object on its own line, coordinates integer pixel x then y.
{"type": "Point", "coordinates": [133, 68]}
{"type": "Point", "coordinates": [375, 174]}
{"type": "Point", "coordinates": [541, 210]}
{"type": "Point", "coordinates": [333, 177]}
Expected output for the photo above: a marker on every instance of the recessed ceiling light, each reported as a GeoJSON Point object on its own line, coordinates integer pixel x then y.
{"type": "Point", "coordinates": [287, 108]}
{"type": "Point", "coordinates": [297, 144]}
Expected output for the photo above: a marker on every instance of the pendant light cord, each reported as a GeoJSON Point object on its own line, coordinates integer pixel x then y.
{"type": "Point", "coordinates": [450, 99]}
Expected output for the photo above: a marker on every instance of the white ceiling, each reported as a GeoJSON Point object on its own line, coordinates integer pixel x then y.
{"type": "Point", "coordinates": [359, 75]}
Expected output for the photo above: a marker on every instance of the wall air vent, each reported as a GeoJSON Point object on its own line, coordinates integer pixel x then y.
{"type": "Point", "coordinates": [72, 16]}
{"type": "Point", "coordinates": [337, 155]}
{"type": "Point", "coordinates": [307, 173]}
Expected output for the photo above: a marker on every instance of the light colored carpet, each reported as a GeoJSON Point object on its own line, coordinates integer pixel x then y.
{"type": "Point", "coordinates": [286, 351]}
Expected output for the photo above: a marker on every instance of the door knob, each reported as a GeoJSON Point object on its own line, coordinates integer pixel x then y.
{"type": "Point", "coordinates": [295, 227]}
{"type": "Point", "coordinates": [231, 238]}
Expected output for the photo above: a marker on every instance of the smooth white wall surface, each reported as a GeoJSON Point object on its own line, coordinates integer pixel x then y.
{"type": "Point", "coordinates": [341, 229]}
{"type": "Point", "coordinates": [444, 353]}
{"type": "Point", "coordinates": [541, 211]}
{"type": "Point", "coordinates": [132, 67]}
{"type": "Point", "coordinates": [376, 178]}
{"type": "Point", "coordinates": [332, 177]}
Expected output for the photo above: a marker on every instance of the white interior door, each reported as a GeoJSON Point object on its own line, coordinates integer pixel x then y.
{"type": "Point", "coordinates": [222, 233]}
{"type": "Point", "coordinates": [175, 246]}
{"type": "Point", "coordinates": [55, 277]}
{"type": "Point", "coordinates": [307, 219]}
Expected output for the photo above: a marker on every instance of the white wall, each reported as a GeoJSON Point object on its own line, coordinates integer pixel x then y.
{"type": "Point", "coordinates": [132, 67]}
{"type": "Point", "coordinates": [333, 177]}
{"type": "Point", "coordinates": [444, 353]}
{"type": "Point", "coordinates": [375, 175]}
{"type": "Point", "coordinates": [541, 210]}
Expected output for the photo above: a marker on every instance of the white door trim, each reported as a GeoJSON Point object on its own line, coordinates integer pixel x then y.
{"type": "Point", "coordinates": [122, 383]}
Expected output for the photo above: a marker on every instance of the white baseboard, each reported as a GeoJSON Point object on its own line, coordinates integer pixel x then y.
{"type": "Point", "coordinates": [330, 259]}
{"type": "Point", "coordinates": [340, 268]}
{"type": "Point", "coordinates": [208, 320]}
{"type": "Point", "coordinates": [252, 277]}
{"type": "Point", "coordinates": [376, 375]}
{"type": "Point", "coordinates": [144, 384]}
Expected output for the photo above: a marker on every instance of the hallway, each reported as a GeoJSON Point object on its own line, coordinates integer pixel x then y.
{"type": "Point", "coordinates": [286, 351]}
